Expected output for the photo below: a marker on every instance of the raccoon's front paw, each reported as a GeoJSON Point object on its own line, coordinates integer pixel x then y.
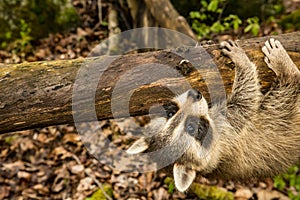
{"type": "Point", "coordinates": [233, 51]}
{"type": "Point", "coordinates": [273, 51]}
{"type": "Point", "coordinates": [277, 58]}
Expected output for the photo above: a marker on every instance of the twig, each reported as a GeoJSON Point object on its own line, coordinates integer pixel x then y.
{"type": "Point", "coordinates": [100, 12]}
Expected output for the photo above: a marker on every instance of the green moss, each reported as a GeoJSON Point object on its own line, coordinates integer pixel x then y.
{"type": "Point", "coordinates": [203, 191]}
{"type": "Point", "coordinates": [210, 192]}
{"type": "Point", "coordinates": [10, 139]}
{"type": "Point", "coordinates": [99, 195]}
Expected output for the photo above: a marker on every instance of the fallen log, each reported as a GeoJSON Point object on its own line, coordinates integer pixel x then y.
{"type": "Point", "coordinates": [40, 94]}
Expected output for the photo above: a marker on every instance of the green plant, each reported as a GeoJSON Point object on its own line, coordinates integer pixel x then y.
{"type": "Point", "coordinates": [289, 182]}
{"type": "Point", "coordinates": [23, 43]}
{"type": "Point", "coordinates": [99, 195]}
{"type": "Point", "coordinates": [232, 21]}
{"type": "Point", "coordinates": [210, 18]}
{"type": "Point", "coordinates": [25, 33]}
{"type": "Point", "coordinates": [253, 26]}
{"type": "Point", "coordinates": [217, 16]}
{"type": "Point", "coordinates": [171, 185]}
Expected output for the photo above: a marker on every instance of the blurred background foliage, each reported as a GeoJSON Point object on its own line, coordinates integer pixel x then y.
{"type": "Point", "coordinates": [22, 21]}
{"type": "Point", "coordinates": [289, 182]}
{"type": "Point", "coordinates": [216, 16]}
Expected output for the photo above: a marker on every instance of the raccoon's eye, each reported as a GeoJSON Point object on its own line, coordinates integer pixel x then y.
{"type": "Point", "coordinates": [171, 110]}
{"type": "Point", "coordinates": [199, 128]}
{"type": "Point", "coordinates": [191, 129]}
{"type": "Point", "coordinates": [192, 125]}
{"type": "Point", "coordinates": [199, 95]}
{"type": "Point", "coordinates": [170, 114]}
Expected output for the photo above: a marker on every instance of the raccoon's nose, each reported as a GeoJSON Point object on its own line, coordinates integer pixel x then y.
{"type": "Point", "coordinates": [194, 94]}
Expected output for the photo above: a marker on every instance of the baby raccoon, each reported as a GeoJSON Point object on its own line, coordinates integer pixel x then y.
{"type": "Point", "coordinates": [250, 135]}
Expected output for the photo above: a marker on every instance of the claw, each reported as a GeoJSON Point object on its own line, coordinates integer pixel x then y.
{"type": "Point", "coordinates": [226, 45]}
{"type": "Point", "coordinates": [278, 44]}
{"type": "Point", "coordinates": [231, 43]}
{"type": "Point", "coordinates": [265, 50]}
{"type": "Point", "coordinates": [225, 52]}
{"type": "Point", "coordinates": [268, 46]}
{"type": "Point", "coordinates": [222, 44]}
{"type": "Point", "coordinates": [272, 43]}
{"type": "Point", "coordinates": [267, 60]}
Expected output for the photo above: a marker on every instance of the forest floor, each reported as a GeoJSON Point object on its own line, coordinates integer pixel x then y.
{"type": "Point", "coordinates": [54, 163]}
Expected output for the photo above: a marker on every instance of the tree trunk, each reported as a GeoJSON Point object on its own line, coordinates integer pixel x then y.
{"type": "Point", "coordinates": [142, 17]}
{"type": "Point", "coordinates": [167, 16]}
{"type": "Point", "coordinates": [113, 27]}
{"type": "Point", "coordinates": [39, 94]}
{"type": "Point", "coordinates": [153, 13]}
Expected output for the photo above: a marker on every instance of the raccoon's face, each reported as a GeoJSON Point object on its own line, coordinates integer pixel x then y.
{"type": "Point", "coordinates": [187, 137]}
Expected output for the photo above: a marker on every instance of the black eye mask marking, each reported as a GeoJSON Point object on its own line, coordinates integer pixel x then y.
{"type": "Point", "coordinates": [171, 110]}
{"type": "Point", "coordinates": [166, 111]}
{"type": "Point", "coordinates": [200, 129]}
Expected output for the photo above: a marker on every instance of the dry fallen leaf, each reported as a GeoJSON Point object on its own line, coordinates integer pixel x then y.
{"type": "Point", "coordinates": [61, 153]}
{"type": "Point", "coordinates": [72, 138]}
{"type": "Point", "coordinates": [61, 180]}
{"type": "Point", "coordinates": [267, 195]}
{"type": "Point", "coordinates": [161, 194]}
{"type": "Point", "coordinates": [41, 189]}
{"type": "Point", "coordinates": [243, 194]}
{"type": "Point", "coordinates": [77, 169]}
{"type": "Point", "coordinates": [85, 184]}
{"type": "Point", "coordinates": [4, 191]}
{"type": "Point", "coordinates": [24, 175]}
{"type": "Point", "coordinates": [18, 165]}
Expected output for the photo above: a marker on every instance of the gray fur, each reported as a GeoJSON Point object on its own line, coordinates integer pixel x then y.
{"type": "Point", "coordinates": [250, 136]}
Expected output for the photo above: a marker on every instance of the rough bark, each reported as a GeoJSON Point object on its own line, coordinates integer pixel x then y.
{"type": "Point", "coordinates": [134, 8]}
{"type": "Point", "coordinates": [113, 27]}
{"type": "Point", "coordinates": [167, 16]}
{"type": "Point", "coordinates": [39, 94]}
{"type": "Point", "coordinates": [142, 17]}
{"type": "Point", "coordinates": [153, 13]}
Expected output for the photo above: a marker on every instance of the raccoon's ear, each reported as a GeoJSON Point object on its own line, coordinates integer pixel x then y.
{"type": "Point", "coordinates": [183, 177]}
{"type": "Point", "coordinates": [138, 146]}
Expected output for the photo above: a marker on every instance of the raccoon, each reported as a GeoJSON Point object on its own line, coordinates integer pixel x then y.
{"type": "Point", "coordinates": [251, 135]}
